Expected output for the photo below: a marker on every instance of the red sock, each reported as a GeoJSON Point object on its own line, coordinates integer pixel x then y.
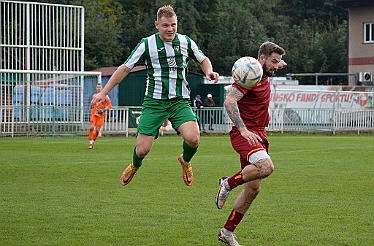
{"type": "Point", "coordinates": [236, 180]}
{"type": "Point", "coordinates": [233, 220]}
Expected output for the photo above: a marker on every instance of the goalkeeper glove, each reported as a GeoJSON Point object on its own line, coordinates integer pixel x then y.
{"type": "Point", "coordinates": [101, 111]}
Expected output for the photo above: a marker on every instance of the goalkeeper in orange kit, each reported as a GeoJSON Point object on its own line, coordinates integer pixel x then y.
{"type": "Point", "coordinates": [97, 117]}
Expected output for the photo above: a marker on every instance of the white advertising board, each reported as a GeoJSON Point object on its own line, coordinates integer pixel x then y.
{"type": "Point", "coordinates": [321, 97]}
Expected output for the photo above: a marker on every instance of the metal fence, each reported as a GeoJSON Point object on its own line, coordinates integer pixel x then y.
{"type": "Point", "coordinates": [50, 103]}
{"type": "Point", "coordinates": [321, 120]}
{"type": "Point", "coordinates": [44, 90]}
{"type": "Point", "coordinates": [42, 69]}
{"type": "Point", "coordinates": [41, 36]}
{"type": "Point", "coordinates": [44, 106]}
{"type": "Point", "coordinates": [123, 120]}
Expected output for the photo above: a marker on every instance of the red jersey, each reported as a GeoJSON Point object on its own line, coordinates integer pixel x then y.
{"type": "Point", "coordinates": [253, 107]}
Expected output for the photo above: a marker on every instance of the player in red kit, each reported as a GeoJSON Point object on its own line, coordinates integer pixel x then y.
{"type": "Point", "coordinates": [248, 110]}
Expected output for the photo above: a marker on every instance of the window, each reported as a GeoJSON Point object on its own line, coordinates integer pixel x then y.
{"type": "Point", "coordinates": [368, 32]}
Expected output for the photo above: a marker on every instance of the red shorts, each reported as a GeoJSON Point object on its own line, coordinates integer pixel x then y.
{"type": "Point", "coordinates": [97, 121]}
{"type": "Point", "coordinates": [242, 146]}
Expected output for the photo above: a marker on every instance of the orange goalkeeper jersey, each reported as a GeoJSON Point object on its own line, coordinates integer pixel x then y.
{"type": "Point", "coordinates": [98, 106]}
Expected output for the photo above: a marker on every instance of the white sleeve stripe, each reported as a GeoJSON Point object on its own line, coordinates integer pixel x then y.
{"type": "Point", "coordinates": [134, 57]}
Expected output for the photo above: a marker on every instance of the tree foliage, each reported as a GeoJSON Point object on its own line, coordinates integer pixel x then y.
{"type": "Point", "coordinates": [313, 33]}
{"type": "Point", "coordinates": [102, 33]}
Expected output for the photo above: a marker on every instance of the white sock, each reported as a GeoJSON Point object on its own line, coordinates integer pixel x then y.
{"type": "Point", "coordinates": [184, 162]}
{"type": "Point", "coordinates": [225, 230]}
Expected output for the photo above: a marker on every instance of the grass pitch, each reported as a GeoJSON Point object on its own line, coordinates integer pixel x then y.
{"type": "Point", "coordinates": [54, 191]}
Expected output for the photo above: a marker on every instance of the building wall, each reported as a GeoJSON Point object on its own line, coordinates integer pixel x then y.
{"type": "Point", "coordinates": [131, 90]}
{"type": "Point", "coordinates": [360, 54]}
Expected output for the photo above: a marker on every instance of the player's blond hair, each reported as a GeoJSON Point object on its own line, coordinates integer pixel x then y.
{"type": "Point", "coordinates": [165, 11]}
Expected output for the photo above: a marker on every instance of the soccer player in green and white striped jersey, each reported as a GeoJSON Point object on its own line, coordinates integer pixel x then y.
{"type": "Point", "coordinates": [166, 55]}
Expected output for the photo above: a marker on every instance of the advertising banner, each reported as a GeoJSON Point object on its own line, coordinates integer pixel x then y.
{"type": "Point", "coordinates": [320, 97]}
{"type": "Point", "coordinates": [134, 115]}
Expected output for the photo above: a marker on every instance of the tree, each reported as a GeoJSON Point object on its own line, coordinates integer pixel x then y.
{"type": "Point", "coordinates": [313, 33]}
{"type": "Point", "coordinates": [102, 33]}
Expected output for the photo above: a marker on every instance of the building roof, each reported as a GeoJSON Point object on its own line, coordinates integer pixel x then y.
{"type": "Point", "coordinates": [354, 3]}
{"type": "Point", "coordinates": [108, 71]}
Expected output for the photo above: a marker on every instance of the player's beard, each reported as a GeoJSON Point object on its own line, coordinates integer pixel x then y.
{"type": "Point", "coordinates": [266, 71]}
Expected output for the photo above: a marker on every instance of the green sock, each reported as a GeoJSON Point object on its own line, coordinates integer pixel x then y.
{"type": "Point", "coordinates": [188, 152]}
{"type": "Point", "coordinates": [136, 161]}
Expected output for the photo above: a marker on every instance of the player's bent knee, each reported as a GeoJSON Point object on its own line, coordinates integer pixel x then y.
{"type": "Point", "coordinates": [192, 141]}
{"type": "Point", "coordinates": [267, 167]}
{"type": "Point", "coordinates": [195, 142]}
{"type": "Point", "coordinates": [143, 150]}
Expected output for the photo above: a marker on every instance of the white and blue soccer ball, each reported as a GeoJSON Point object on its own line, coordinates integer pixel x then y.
{"type": "Point", "coordinates": [247, 71]}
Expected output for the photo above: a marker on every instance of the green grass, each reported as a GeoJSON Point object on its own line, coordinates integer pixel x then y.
{"type": "Point", "coordinates": [54, 191]}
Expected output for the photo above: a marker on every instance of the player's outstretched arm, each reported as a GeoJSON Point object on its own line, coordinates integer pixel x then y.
{"type": "Point", "coordinates": [207, 68]}
{"type": "Point", "coordinates": [121, 73]}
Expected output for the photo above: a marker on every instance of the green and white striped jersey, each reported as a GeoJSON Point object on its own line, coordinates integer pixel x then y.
{"type": "Point", "coordinates": [166, 64]}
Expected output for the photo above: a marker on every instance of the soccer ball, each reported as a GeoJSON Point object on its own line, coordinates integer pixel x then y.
{"type": "Point", "coordinates": [247, 71]}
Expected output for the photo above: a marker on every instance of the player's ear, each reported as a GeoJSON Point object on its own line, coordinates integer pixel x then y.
{"type": "Point", "coordinates": [156, 25]}
{"type": "Point", "coordinates": [261, 59]}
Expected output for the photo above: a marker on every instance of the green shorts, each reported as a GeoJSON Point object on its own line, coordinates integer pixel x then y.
{"type": "Point", "coordinates": [155, 112]}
